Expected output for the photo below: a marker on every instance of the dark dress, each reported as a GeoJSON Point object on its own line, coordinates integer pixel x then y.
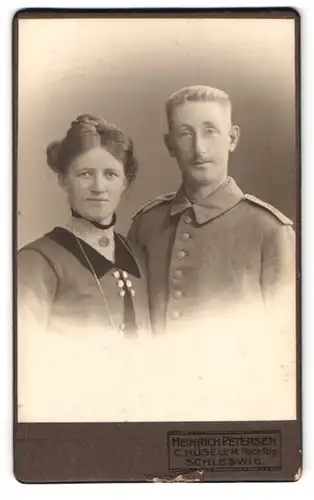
{"type": "Point", "coordinates": [76, 331]}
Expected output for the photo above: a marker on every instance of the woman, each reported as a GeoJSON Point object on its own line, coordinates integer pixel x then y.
{"type": "Point", "coordinates": [81, 288]}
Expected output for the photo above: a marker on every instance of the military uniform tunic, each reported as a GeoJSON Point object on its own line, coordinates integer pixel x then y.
{"type": "Point", "coordinates": [221, 286]}
{"type": "Point", "coordinates": [205, 260]}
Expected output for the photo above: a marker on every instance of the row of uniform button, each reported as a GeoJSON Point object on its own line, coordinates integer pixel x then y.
{"type": "Point", "coordinates": [178, 273]}
{"type": "Point", "coordinates": [183, 253]}
{"type": "Point", "coordinates": [184, 237]}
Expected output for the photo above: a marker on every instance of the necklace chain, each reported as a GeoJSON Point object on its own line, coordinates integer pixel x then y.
{"type": "Point", "coordinates": [99, 286]}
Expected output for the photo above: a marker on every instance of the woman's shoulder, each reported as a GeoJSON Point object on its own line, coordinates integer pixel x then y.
{"type": "Point", "coordinates": [35, 265]}
{"type": "Point", "coordinates": [40, 244]}
{"type": "Point", "coordinates": [44, 250]}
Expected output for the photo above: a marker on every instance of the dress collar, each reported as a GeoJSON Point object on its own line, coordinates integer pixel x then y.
{"type": "Point", "coordinates": [124, 258]}
{"type": "Point", "coordinates": [93, 236]}
{"type": "Point", "coordinates": [86, 230]}
{"type": "Point", "coordinates": [220, 201]}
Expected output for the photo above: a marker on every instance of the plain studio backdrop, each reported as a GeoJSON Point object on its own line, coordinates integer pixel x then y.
{"type": "Point", "coordinates": [124, 70]}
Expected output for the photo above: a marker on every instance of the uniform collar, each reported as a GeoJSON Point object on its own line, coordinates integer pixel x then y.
{"type": "Point", "coordinates": [223, 199]}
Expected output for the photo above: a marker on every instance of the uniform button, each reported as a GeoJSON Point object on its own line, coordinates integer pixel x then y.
{"type": "Point", "coordinates": [185, 236]}
{"type": "Point", "coordinates": [181, 254]}
{"type": "Point", "coordinates": [177, 294]}
{"type": "Point", "coordinates": [178, 273]}
{"type": "Point", "coordinates": [187, 219]}
{"type": "Point", "coordinates": [175, 314]}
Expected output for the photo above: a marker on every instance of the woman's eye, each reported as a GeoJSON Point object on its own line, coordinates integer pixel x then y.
{"type": "Point", "coordinates": [84, 173]}
{"type": "Point", "coordinates": [110, 175]}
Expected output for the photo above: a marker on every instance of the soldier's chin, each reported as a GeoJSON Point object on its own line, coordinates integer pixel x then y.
{"type": "Point", "coordinates": [199, 177]}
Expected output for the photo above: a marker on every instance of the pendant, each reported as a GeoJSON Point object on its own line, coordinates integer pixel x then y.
{"type": "Point", "coordinates": [103, 241]}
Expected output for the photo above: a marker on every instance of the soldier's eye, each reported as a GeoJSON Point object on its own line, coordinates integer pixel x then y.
{"type": "Point", "coordinates": [210, 131]}
{"type": "Point", "coordinates": [185, 133]}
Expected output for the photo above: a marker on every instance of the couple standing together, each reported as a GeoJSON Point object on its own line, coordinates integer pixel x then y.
{"type": "Point", "coordinates": [207, 259]}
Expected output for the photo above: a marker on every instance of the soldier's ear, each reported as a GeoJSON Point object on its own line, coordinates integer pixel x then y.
{"type": "Point", "coordinates": [234, 136]}
{"type": "Point", "coordinates": [169, 145]}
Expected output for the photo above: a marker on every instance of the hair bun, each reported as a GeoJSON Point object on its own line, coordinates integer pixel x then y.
{"type": "Point", "coordinates": [53, 155]}
{"type": "Point", "coordinates": [95, 121]}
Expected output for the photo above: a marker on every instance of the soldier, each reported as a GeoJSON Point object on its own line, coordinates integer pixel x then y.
{"type": "Point", "coordinates": [211, 250]}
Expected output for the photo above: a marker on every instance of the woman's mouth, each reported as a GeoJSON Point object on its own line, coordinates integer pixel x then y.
{"type": "Point", "coordinates": [97, 200]}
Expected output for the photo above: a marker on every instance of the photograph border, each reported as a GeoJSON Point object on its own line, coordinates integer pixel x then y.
{"type": "Point", "coordinates": [89, 452]}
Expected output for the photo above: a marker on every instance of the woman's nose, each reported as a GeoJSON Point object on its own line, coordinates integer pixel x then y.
{"type": "Point", "coordinates": [99, 184]}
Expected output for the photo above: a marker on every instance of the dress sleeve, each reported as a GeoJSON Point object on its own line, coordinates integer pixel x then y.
{"type": "Point", "coordinates": [36, 289]}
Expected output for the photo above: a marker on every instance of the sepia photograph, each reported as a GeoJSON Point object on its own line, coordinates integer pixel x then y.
{"type": "Point", "coordinates": [157, 185]}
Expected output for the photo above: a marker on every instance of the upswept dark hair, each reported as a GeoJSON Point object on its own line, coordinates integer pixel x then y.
{"type": "Point", "coordinates": [88, 132]}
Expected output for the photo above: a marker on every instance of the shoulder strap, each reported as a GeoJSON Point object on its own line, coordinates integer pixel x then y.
{"type": "Point", "coordinates": [154, 203]}
{"type": "Point", "coordinates": [256, 201]}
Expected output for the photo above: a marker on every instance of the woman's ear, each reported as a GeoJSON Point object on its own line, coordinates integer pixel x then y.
{"type": "Point", "coordinates": [169, 145]}
{"type": "Point", "coordinates": [62, 182]}
{"type": "Point", "coordinates": [125, 193]}
{"type": "Point", "coordinates": [234, 137]}
{"type": "Point", "coordinates": [126, 186]}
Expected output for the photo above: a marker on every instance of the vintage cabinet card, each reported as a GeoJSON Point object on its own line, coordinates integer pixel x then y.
{"type": "Point", "coordinates": [157, 245]}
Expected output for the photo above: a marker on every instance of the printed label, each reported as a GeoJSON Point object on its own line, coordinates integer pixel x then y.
{"type": "Point", "coordinates": [224, 451]}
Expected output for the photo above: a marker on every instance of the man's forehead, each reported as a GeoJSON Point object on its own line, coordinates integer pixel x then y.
{"type": "Point", "coordinates": [200, 111]}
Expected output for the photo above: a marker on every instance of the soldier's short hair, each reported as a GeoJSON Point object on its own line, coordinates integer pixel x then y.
{"type": "Point", "coordinates": [196, 93]}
